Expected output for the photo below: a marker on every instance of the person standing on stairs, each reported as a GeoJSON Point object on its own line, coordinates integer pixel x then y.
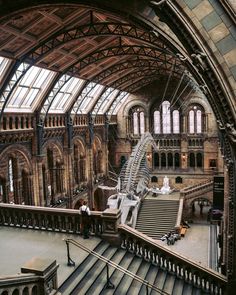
{"type": "Point", "coordinates": [85, 224]}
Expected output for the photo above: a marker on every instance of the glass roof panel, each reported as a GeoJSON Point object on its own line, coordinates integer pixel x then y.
{"type": "Point", "coordinates": [29, 90]}
{"type": "Point", "coordinates": [107, 101]}
{"type": "Point", "coordinates": [66, 95]}
{"type": "Point", "coordinates": [4, 63]}
{"type": "Point", "coordinates": [114, 108]}
{"type": "Point", "coordinates": [90, 99]}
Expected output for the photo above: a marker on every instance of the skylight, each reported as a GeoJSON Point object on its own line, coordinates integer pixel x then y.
{"type": "Point", "coordinates": [66, 95]}
{"type": "Point", "coordinates": [29, 90]}
{"type": "Point", "coordinates": [4, 63]}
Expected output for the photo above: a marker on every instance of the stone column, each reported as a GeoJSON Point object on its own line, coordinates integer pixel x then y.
{"type": "Point", "coordinates": [68, 175]}
{"type": "Point", "coordinates": [38, 182]}
{"type": "Point", "coordinates": [111, 219]}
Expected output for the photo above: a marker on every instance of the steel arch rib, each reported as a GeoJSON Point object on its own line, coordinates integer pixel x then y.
{"type": "Point", "coordinates": [58, 39]}
{"type": "Point", "coordinates": [102, 54]}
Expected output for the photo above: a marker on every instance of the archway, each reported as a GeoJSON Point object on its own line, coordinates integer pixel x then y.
{"type": "Point", "coordinates": [198, 210]}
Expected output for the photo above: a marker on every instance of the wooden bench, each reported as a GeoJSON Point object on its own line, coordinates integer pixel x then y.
{"type": "Point", "coordinates": [183, 231]}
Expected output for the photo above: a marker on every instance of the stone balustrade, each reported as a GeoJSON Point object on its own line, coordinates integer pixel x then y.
{"type": "Point", "coordinates": [204, 278]}
{"type": "Point", "coordinates": [201, 187]}
{"type": "Point", "coordinates": [37, 277]}
{"type": "Point", "coordinates": [49, 219]}
{"type": "Point", "coordinates": [107, 225]}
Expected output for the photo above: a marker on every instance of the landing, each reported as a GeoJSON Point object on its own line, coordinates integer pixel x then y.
{"type": "Point", "coordinates": [19, 245]}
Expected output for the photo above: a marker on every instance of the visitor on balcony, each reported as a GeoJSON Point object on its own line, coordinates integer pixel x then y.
{"type": "Point", "coordinates": [85, 224]}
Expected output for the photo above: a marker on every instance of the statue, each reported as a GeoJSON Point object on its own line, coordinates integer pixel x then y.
{"type": "Point", "coordinates": [165, 188]}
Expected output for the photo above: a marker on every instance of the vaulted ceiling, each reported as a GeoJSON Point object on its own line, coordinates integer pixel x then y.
{"type": "Point", "coordinates": [104, 43]}
{"type": "Point", "coordinates": [84, 42]}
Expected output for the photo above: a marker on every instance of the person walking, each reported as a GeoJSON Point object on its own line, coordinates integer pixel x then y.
{"type": "Point", "coordinates": [85, 225]}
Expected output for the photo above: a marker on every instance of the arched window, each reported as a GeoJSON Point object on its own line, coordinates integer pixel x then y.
{"type": "Point", "coordinates": [154, 179]}
{"type": "Point", "coordinates": [142, 123]}
{"type": "Point", "coordinates": [156, 160]}
{"type": "Point", "coordinates": [10, 175]}
{"type": "Point", "coordinates": [170, 160]}
{"type": "Point", "coordinates": [199, 160]}
{"type": "Point", "coordinates": [176, 128]}
{"type": "Point", "coordinates": [163, 160]}
{"type": "Point", "coordinates": [195, 120]}
{"type": "Point", "coordinates": [166, 117]}
{"type": "Point", "coordinates": [177, 160]}
{"type": "Point", "coordinates": [3, 196]}
{"type": "Point", "coordinates": [191, 121]}
{"type": "Point", "coordinates": [178, 179]}
{"type": "Point", "coordinates": [192, 160]}
{"type": "Point", "coordinates": [199, 121]}
{"type": "Point", "coordinates": [157, 122]}
{"type": "Point", "coordinates": [135, 122]}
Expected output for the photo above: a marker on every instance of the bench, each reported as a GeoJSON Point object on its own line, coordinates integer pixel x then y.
{"type": "Point", "coordinates": [183, 231]}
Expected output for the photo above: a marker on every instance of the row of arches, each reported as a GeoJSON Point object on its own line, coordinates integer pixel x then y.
{"type": "Point", "coordinates": [19, 171]}
{"type": "Point", "coordinates": [167, 120]}
{"type": "Point", "coordinates": [173, 160]}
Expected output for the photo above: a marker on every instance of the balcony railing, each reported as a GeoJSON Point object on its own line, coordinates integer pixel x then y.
{"type": "Point", "coordinates": [107, 225]}
{"type": "Point", "coordinates": [202, 277]}
{"type": "Point", "coordinates": [49, 219]}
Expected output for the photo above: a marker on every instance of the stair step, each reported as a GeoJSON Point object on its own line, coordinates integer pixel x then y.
{"type": "Point", "coordinates": [101, 279]}
{"type": "Point", "coordinates": [169, 284]}
{"type": "Point", "coordinates": [68, 286]}
{"type": "Point", "coordinates": [127, 280]}
{"type": "Point", "coordinates": [88, 279]}
{"type": "Point", "coordinates": [117, 275]}
{"type": "Point", "coordinates": [142, 272]}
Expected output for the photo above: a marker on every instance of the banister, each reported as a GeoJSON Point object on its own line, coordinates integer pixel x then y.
{"type": "Point", "coordinates": [115, 265]}
{"type": "Point", "coordinates": [197, 274]}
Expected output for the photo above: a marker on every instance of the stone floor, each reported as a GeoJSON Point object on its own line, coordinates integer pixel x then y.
{"type": "Point", "coordinates": [194, 245]}
{"type": "Point", "coordinates": [18, 246]}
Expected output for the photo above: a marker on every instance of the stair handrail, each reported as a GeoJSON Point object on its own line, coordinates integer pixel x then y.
{"type": "Point", "coordinates": [179, 214]}
{"type": "Point", "coordinates": [111, 263]}
{"type": "Point", "coordinates": [193, 188]}
{"type": "Point", "coordinates": [185, 268]}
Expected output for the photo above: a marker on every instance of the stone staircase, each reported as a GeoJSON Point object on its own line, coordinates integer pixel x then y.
{"type": "Point", "coordinates": [157, 217]}
{"type": "Point", "coordinates": [90, 277]}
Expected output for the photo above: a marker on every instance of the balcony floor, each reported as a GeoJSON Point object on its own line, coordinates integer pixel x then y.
{"type": "Point", "coordinates": [20, 245]}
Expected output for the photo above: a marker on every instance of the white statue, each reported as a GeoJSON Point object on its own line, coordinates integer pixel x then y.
{"type": "Point", "coordinates": [166, 182]}
{"type": "Point", "coordinates": [165, 188]}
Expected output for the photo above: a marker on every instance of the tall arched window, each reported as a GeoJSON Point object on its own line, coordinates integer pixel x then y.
{"type": "Point", "coordinates": [166, 122]}
{"type": "Point", "coordinates": [191, 122]}
{"type": "Point", "coordinates": [142, 123]}
{"type": "Point", "coordinates": [10, 175]}
{"type": "Point", "coordinates": [156, 160]}
{"type": "Point", "coordinates": [195, 120]}
{"type": "Point", "coordinates": [157, 122]}
{"type": "Point", "coordinates": [175, 115]}
{"type": "Point", "coordinates": [135, 123]}
{"type": "Point", "coordinates": [199, 121]}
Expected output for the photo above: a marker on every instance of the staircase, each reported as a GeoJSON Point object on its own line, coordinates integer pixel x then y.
{"type": "Point", "coordinates": [90, 277]}
{"type": "Point", "coordinates": [157, 217]}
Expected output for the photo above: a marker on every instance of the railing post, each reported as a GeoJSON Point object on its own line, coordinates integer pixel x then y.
{"type": "Point", "coordinates": [109, 284]}
{"type": "Point", "coordinates": [70, 262]}
{"type": "Point", "coordinates": [111, 221]}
